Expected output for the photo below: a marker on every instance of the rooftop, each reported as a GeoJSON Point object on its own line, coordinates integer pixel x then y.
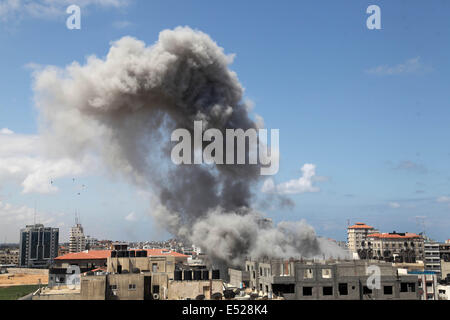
{"type": "Point", "coordinates": [105, 254]}
{"type": "Point", "coordinates": [360, 225]}
{"type": "Point", "coordinates": [394, 235]}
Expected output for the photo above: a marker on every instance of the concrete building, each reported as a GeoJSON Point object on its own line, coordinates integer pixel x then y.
{"type": "Point", "coordinates": [191, 290]}
{"type": "Point", "coordinates": [86, 260]}
{"type": "Point", "coordinates": [395, 247]}
{"type": "Point", "coordinates": [133, 275]}
{"type": "Point", "coordinates": [357, 236]}
{"type": "Point", "coordinates": [92, 243]}
{"type": "Point", "coordinates": [332, 280]}
{"type": "Point", "coordinates": [444, 252]}
{"type": "Point", "coordinates": [428, 283]}
{"type": "Point", "coordinates": [239, 278]}
{"type": "Point", "coordinates": [38, 246]}
{"type": "Point", "coordinates": [9, 257]}
{"type": "Point", "coordinates": [77, 239]}
{"type": "Point", "coordinates": [432, 257]}
{"type": "Point", "coordinates": [444, 292]}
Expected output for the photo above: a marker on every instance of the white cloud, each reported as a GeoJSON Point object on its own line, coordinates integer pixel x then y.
{"type": "Point", "coordinates": [409, 66]}
{"type": "Point", "coordinates": [23, 160]}
{"type": "Point", "coordinates": [6, 131]}
{"type": "Point", "coordinates": [11, 9]}
{"type": "Point", "coordinates": [122, 24]}
{"type": "Point", "coordinates": [443, 199]}
{"type": "Point", "coordinates": [13, 218]}
{"type": "Point", "coordinates": [303, 184]}
{"type": "Point", "coordinates": [131, 217]}
{"type": "Point", "coordinates": [394, 205]}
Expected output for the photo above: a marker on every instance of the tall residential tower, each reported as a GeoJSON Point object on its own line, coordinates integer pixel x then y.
{"type": "Point", "coordinates": [38, 246]}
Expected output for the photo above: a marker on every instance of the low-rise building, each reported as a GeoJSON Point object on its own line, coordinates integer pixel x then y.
{"type": "Point", "coordinates": [395, 247]}
{"type": "Point", "coordinates": [133, 276]}
{"type": "Point", "coordinates": [443, 292]}
{"type": "Point", "coordinates": [9, 257]}
{"type": "Point", "coordinates": [428, 283]}
{"type": "Point", "coordinates": [329, 280]}
{"type": "Point", "coordinates": [444, 252]}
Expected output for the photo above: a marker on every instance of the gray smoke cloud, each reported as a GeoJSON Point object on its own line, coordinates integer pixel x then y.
{"type": "Point", "coordinates": [125, 106]}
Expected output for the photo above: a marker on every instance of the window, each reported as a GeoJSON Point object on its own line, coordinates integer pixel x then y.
{"type": "Point", "coordinates": [156, 289]}
{"type": "Point", "coordinates": [403, 287]}
{"type": "Point", "coordinates": [131, 286]}
{"type": "Point", "coordinates": [260, 272]}
{"type": "Point", "coordinates": [343, 289]}
{"type": "Point", "coordinates": [307, 291]}
{"type": "Point", "coordinates": [326, 273]}
{"type": "Point", "coordinates": [327, 291]}
{"type": "Point", "coordinates": [366, 290]}
{"type": "Point", "coordinates": [260, 287]}
{"type": "Point", "coordinates": [280, 289]}
{"type": "Point", "coordinates": [154, 267]}
{"type": "Point", "coordinates": [308, 274]}
{"type": "Point", "coordinates": [113, 287]}
{"type": "Point", "coordinates": [387, 289]}
{"type": "Point", "coordinates": [412, 287]}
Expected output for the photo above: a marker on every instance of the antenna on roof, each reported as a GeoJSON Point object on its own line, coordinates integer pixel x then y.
{"type": "Point", "coordinates": [34, 219]}
{"type": "Point", "coordinates": [421, 224]}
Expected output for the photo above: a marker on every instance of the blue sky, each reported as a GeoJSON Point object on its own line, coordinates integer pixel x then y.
{"type": "Point", "coordinates": [369, 108]}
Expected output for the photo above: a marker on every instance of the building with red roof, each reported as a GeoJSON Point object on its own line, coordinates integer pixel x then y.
{"type": "Point", "coordinates": [398, 247]}
{"type": "Point", "coordinates": [99, 258]}
{"type": "Point", "coordinates": [357, 236]}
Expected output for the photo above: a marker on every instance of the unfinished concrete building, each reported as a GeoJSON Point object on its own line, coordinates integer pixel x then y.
{"type": "Point", "coordinates": [327, 280]}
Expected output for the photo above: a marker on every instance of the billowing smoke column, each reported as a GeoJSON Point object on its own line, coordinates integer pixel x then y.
{"type": "Point", "coordinates": [126, 106]}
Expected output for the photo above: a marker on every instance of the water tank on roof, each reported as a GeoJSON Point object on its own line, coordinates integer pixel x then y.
{"type": "Point", "coordinates": [229, 294]}
{"type": "Point", "coordinates": [136, 270]}
{"type": "Point", "coordinates": [216, 296]}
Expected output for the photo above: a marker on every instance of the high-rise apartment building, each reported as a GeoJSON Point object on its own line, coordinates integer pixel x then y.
{"type": "Point", "coordinates": [357, 236]}
{"type": "Point", "coordinates": [432, 256]}
{"type": "Point", "coordinates": [38, 246]}
{"type": "Point", "coordinates": [77, 239]}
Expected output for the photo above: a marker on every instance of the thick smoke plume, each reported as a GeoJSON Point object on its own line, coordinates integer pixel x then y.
{"type": "Point", "coordinates": [125, 107]}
